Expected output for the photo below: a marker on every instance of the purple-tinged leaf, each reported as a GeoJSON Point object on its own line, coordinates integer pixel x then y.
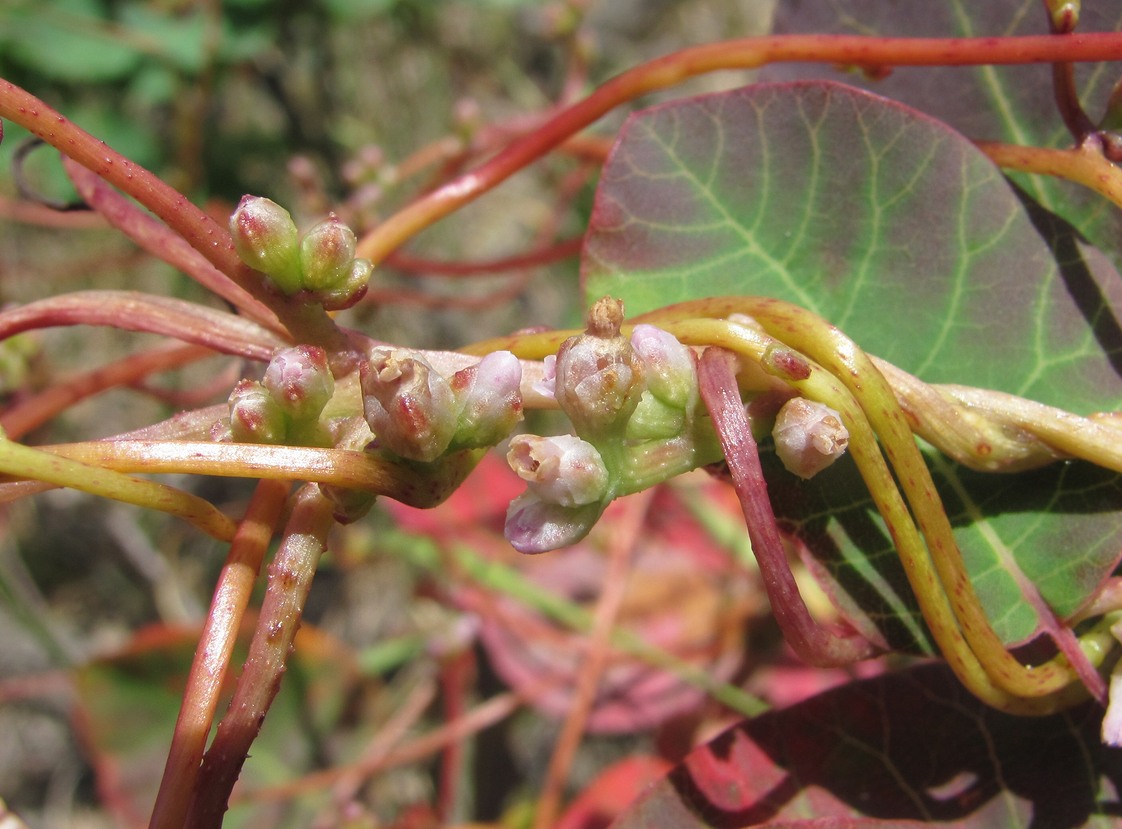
{"type": "Point", "coordinates": [911, 746]}
{"type": "Point", "coordinates": [1005, 103]}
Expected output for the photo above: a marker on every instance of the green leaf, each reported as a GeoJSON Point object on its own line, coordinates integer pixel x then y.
{"type": "Point", "coordinates": [66, 40]}
{"type": "Point", "coordinates": [899, 231]}
{"type": "Point", "coordinates": [179, 39]}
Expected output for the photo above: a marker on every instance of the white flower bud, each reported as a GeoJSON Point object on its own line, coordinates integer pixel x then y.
{"type": "Point", "coordinates": [809, 436]}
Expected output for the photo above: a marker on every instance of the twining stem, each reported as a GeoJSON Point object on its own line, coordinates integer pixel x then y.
{"type": "Point", "coordinates": [212, 655]}
{"type": "Point", "coordinates": [24, 462]}
{"type": "Point", "coordinates": [938, 578]}
{"type": "Point", "coordinates": [845, 360]}
{"type": "Point", "coordinates": [747, 53]}
{"type": "Point", "coordinates": [812, 642]}
{"type": "Point", "coordinates": [290, 579]}
{"type": "Point", "coordinates": [930, 595]}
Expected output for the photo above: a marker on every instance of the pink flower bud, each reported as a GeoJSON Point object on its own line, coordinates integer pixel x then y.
{"type": "Point", "coordinates": [300, 381]}
{"type": "Point", "coordinates": [598, 375]}
{"type": "Point", "coordinates": [668, 366]}
{"type": "Point", "coordinates": [491, 398]}
{"type": "Point", "coordinates": [326, 254]}
{"type": "Point", "coordinates": [265, 238]}
{"type": "Point", "coordinates": [255, 416]}
{"type": "Point", "coordinates": [535, 526]}
{"type": "Point", "coordinates": [408, 405]}
{"type": "Point", "coordinates": [809, 436]}
{"type": "Point", "coordinates": [563, 469]}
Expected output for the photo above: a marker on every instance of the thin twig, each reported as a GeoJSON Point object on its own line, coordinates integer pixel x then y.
{"type": "Point", "coordinates": [747, 53]}
{"type": "Point", "coordinates": [31, 412]}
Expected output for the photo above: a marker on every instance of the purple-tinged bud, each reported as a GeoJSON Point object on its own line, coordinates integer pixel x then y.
{"type": "Point", "coordinates": [598, 375]}
{"type": "Point", "coordinates": [534, 526]}
{"type": "Point", "coordinates": [300, 381]}
{"type": "Point", "coordinates": [408, 405]}
{"type": "Point", "coordinates": [668, 366]}
{"type": "Point", "coordinates": [492, 400]}
{"type": "Point", "coordinates": [255, 416]}
{"type": "Point", "coordinates": [266, 239]}
{"type": "Point", "coordinates": [809, 436]}
{"type": "Point", "coordinates": [562, 469]}
{"type": "Point", "coordinates": [326, 254]}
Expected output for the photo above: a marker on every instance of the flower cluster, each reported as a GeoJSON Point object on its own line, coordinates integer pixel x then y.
{"type": "Point", "coordinates": [633, 404]}
{"type": "Point", "coordinates": [321, 266]}
{"type": "Point", "coordinates": [418, 414]}
{"type": "Point", "coordinates": [285, 406]}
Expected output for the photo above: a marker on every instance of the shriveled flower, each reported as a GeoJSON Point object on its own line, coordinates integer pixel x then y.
{"type": "Point", "coordinates": [598, 376]}
{"type": "Point", "coordinates": [491, 399]}
{"type": "Point", "coordinates": [537, 526]}
{"type": "Point", "coordinates": [300, 381]}
{"type": "Point", "coordinates": [266, 239]}
{"type": "Point", "coordinates": [809, 436]}
{"type": "Point", "coordinates": [562, 469]}
{"type": "Point", "coordinates": [408, 405]}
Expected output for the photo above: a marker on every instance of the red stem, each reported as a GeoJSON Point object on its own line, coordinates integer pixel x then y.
{"type": "Point", "coordinates": [457, 671]}
{"type": "Point", "coordinates": [747, 53]}
{"type": "Point", "coordinates": [33, 411]}
{"type": "Point", "coordinates": [307, 323]}
{"type": "Point", "coordinates": [812, 642]}
{"type": "Point", "coordinates": [136, 311]}
{"type": "Point", "coordinates": [212, 656]}
{"type": "Point", "coordinates": [290, 578]}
